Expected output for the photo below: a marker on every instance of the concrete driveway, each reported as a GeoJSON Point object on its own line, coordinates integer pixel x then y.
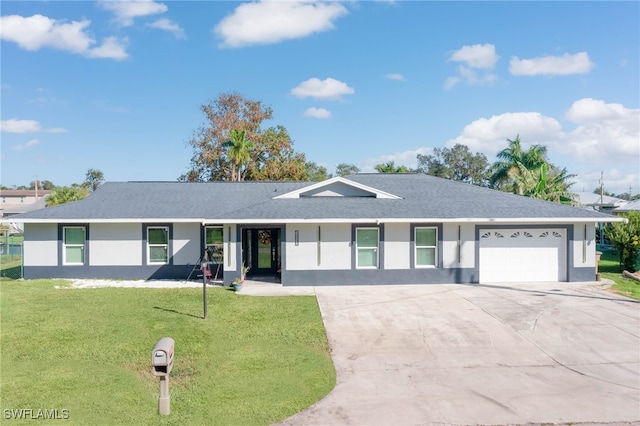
{"type": "Point", "coordinates": [479, 354]}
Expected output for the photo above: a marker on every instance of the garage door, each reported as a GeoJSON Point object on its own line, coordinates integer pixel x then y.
{"type": "Point", "coordinates": [512, 255]}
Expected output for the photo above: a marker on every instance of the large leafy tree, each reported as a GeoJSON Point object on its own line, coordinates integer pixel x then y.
{"type": "Point", "coordinates": [316, 173]}
{"type": "Point", "coordinates": [390, 167]}
{"type": "Point", "coordinates": [511, 161]}
{"type": "Point", "coordinates": [457, 163]}
{"type": "Point", "coordinates": [344, 169]}
{"type": "Point", "coordinates": [626, 238]}
{"type": "Point", "coordinates": [66, 194]}
{"type": "Point", "coordinates": [270, 152]}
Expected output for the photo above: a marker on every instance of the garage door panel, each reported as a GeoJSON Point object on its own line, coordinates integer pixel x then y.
{"type": "Point", "coordinates": [526, 255]}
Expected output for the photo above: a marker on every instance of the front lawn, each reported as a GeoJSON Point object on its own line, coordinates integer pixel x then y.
{"type": "Point", "coordinates": [609, 267]}
{"type": "Point", "coordinates": [255, 360]}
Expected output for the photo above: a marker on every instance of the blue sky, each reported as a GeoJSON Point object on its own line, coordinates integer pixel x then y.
{"type": "Point", "coordinates": [117, 86]}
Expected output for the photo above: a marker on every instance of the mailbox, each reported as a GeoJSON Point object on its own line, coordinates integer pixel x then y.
{"type": "Point", "coordinates": [162, 357]}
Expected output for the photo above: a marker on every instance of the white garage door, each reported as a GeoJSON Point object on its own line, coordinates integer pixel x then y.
{"type": "Point", "coordinates": [512, 255]}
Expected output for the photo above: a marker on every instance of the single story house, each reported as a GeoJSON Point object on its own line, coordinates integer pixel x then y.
{"type": "Point", "coordinates": [360, 229]}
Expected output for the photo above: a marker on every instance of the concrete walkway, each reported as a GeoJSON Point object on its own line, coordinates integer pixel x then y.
{"type": "Point", "coordinates": [478, 354]}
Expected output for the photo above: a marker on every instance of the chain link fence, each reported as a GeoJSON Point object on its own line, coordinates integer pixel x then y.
{"type": "Point", "coordinates": [11, 251]}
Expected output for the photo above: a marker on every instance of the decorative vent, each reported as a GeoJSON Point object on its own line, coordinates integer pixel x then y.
{"type": "Point", "coordinates": [515, 235]}
{"type": "Point", "coordinates": [527, 234]}
{"type": "Point", "coordinates": [485, 235]}
{"type": "Point", "coordinates": [557, 234]}
{"type": "Point", "coordinates": [499, 235]}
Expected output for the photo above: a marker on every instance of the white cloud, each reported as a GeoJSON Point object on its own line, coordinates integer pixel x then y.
{"type": "Point", "coordinates": [489, 135]}
{"type": "Point", "coordinates": [168, 25]}
{"type": "Point", "coordinates": [127, 11]}
{"type": "Point", "coordinates": [327, 89]}
{"type": "Point", "coordinates": [477, 59]}
{"type": "Point", "coordinates": [317, 113]}
{"type": "Point", "coordinates": [29, 144]}
{"type": "Point", "coordinates": [476, 56]}
{"type": "Point", "coordinates": [404, 158]}
{"type": "Point", "coordinates": [111, 48]}
{"type": "Point", "coordinates": [604, 132]}
{"type": "Point", "coordinates": [269, 22]}
{"type": "Point", "coordinates": [38, 31]}
{"type": "Point", "coordinates": [15, 125]}
{"type": "Point", "coordinates": [552, 65]}
{"type": "Point", "coordinates": [606, 138]}
{"type": "Point", "coordinates": [395, 76]}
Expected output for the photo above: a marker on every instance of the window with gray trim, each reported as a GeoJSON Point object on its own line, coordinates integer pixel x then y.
{"type": "Point", "coordinates": [426, 246]}
{"type": "Point", "coordinates": [157, 245]}
{"type": "Point", "coordinates": [74, 245]}
{"type": "Point", "coordinates": [367, 243]}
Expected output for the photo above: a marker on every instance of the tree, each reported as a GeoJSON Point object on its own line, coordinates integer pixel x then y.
{"type": "Point", "coordinates": [270, 152]}
{"type": "Point", "coordinates": [390, 167]}
{"type": "Point", "coordinates": [238, 152]}
{"type": "Point", "coordinates": [457, 163]}
{"type": "Point", "coordinates": [510, 162]}
{"type": "Point", "coordinates": [344, 169]}
{"type": "Point", "coordinates": [65, 194]}
{"type": "Point", "coordinates": [545, 183]}
{"type": "Point", "coordinates": [316, 173]}
{"type": "Point", "coordinates": [42, 184]}
{"type": "Point", "coordinates": [626, 238]}
{"type": "Point", "coordinates": [93, 179]}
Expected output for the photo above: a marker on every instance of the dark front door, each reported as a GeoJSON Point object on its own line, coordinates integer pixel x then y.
{"type": "Point", "coordinates": [262, 251]}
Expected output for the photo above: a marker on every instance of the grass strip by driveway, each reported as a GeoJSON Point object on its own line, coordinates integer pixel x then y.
{"type": "Point", "coordinates": [254, 360]}
{"type": "Point", "coordinates": [609, 267]}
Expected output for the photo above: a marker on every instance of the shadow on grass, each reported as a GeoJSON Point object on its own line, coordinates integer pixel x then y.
{"type": "Point", "coordinates": [177, 312]}
{"type": "Point", "coordinates": [14, 272]}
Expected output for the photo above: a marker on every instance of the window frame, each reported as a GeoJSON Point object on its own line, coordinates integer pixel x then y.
{"type": "Point", "coordinates": [66, 245]}
{"type": "Point", "coordinates": [220, 244]}
{"type": "Point", "coordinates": [358, 248]}
{"type": "Point", "coordinates": [149, 245]}
{"type": "Point", "coordinates": [416, 247]}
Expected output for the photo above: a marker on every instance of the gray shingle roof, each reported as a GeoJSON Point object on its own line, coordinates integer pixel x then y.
{"type": "Point", "coordinates": [422, 197]}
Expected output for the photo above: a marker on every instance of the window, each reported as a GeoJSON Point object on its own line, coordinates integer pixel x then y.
{"type": "Point", "coordinates": [214, 243]}
{"type": "Point", "coordinates": [73, 241]}
{"type": "Point", "coordinates": [158, 244]}
{"type": "Point", "coordinates": [367, 247]}
{"type": "Point", "coordinates": [426, 240]}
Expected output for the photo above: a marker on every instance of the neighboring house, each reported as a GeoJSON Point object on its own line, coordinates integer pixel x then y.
{"type": "Point", "coordinates": [17, 201]}
{"type": "Point", "coordinates": [362, 229]}
{"type": "Point", "coordinates": [627, 207]}
{"type": "Point", "coordinates": [599, 202]}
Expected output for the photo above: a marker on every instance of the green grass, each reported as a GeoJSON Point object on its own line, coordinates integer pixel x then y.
{"type": "Point", "coordinates": [609, 267]}
{"type": "Point", "coordinates": [254, 360]}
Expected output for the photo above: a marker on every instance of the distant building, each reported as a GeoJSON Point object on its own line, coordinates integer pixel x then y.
{"type": "Point", "coordinates": [17, 201]}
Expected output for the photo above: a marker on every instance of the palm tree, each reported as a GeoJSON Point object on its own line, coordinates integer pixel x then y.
{"type": "Point", "coordinates": [542, 183]}
{"type": "Point", "coordinates": [238, 151]}
{"type": "Point", "coordinates": [65, 194]}
{"type": "Point", "coordinates": [390, 167]}
{"type": "Point", "coordinates": [512, 160]}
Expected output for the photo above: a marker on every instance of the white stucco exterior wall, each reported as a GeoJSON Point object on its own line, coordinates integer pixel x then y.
{"type": "Point", "coordinates": [450, 256]}
{"type": "Point", "coordinates": [113, 244]}
{"type": "Point", "coordinates": [397, 249]}
{"type": "Point", "coordinates": [186, 243]}
{"type": "Point", "coordinates": [335, 247]}
{"type": "Point", "coordinates": [40, 244]}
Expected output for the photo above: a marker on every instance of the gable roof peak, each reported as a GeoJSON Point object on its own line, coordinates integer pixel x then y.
{"type": "Point", "coordinates": [338, 187]}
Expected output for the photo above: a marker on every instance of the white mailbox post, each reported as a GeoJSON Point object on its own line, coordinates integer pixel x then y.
{"type": "Point", "coordinates": [162, 364]}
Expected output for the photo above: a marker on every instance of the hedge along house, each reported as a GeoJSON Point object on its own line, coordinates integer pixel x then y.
{"type": "Point", "coordinates": [362, 229]}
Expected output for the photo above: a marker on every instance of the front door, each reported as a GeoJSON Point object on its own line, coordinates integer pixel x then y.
{"type": "Point", "coordinates": [262, 251]}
